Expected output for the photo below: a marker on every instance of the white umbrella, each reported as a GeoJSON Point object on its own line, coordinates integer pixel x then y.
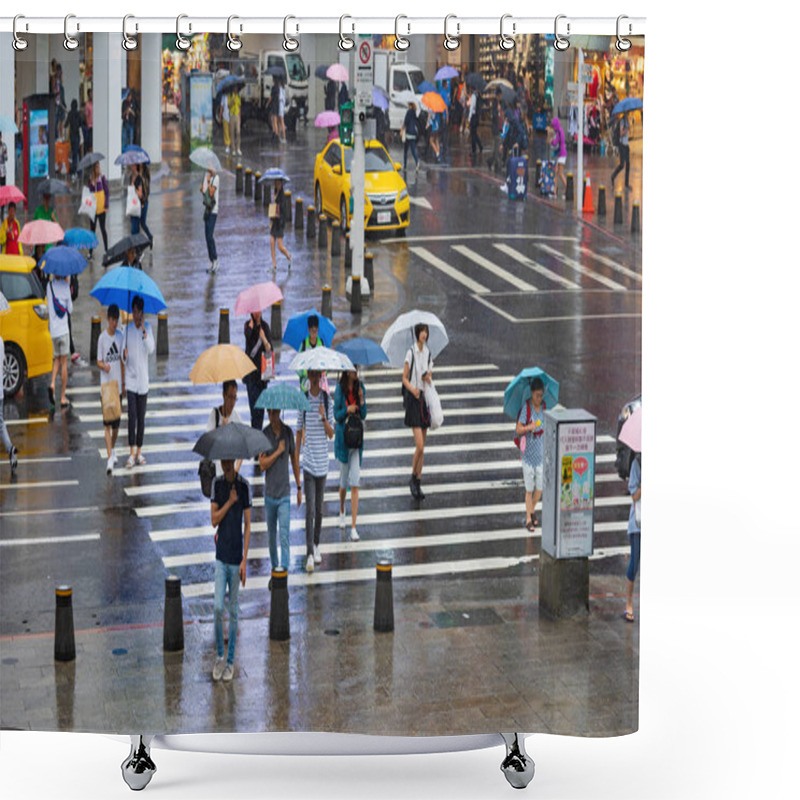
{"type": "Point", "coordinates": [400, 335]}
{"type": "Point", "coordinates": [205, 158]}
{"type": "Point", "coordinates": [4, 305]}
{"type": "Point", "coordinates": [323, 359]}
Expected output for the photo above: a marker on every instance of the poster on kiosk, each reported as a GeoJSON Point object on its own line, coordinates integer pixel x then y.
{"type": "Point", "coordinates": [568, 496]}
{"type": "Point", "coordinates": [38, 141]}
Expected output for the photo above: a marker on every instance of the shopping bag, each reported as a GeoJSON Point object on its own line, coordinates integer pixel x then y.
{"type": "Point", "coordinates": [267, 366]}
{"type": "Point", "coordinates": [133, 207]}
{"type": "Point", "coordinates": [273, 211]}
{"type": "Point", "coordinates": [434, 406]}
{"type": "Point", "coordinates": [112, 409]}
{"type": "Point", "coordinates": [88, 203]}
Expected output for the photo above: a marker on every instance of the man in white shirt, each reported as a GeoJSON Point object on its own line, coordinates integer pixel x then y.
{"type": "Point", "coordinates": [139, 345]}
{"type": "Point", "coordinates": [474, 120]}
{"type": "Point", "coordinates": [109, 359]}
{"type": "Point", "coordinates": [59, 305]}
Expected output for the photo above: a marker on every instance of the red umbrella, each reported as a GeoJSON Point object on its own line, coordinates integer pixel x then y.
{"type": "Point", "coordinates": [41, 231]}
{"type": "Point", "coordinates": [10, 194]}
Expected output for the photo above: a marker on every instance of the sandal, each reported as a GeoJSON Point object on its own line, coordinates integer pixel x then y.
{"type": "Point", "coordinates": [140, 460]}
{"type": "Point", "coordinates": [627, 616]}
{"type": "Point", "coordinates": [130, 462]}
{"type": "Point", "coordinates": [530, 526]}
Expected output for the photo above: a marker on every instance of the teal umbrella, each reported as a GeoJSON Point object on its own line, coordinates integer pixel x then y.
{"type": "Point", "coordinates": [283, 396]}
{"type": "Point", "coordinates": [519, 390]}
{"type": "Point", "coordinates": [363, 352]}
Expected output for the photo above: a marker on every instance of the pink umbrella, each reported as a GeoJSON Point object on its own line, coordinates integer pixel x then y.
{"type": "Point", "coordinates": [327, 119]}
{"type": "Point", "coordinates": [338, 72]}
{"type": "Point", "coordinates": [257, 298]}
{"type": "Point", "coordinates": [10, 194]}
{"type": "Point", "coordinates": [631, 432]}
{"type": "Point", "coordinates": [41, 231]}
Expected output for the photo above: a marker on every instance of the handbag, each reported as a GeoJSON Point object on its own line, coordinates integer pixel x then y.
{"type": "Point", "coordinates": [133, 207]}
{"type": "Point", "coordinates": [88, 205]}
{"type": "Point", "coordinates": [112, 408]}
{"type": "Point", "coordinates": [267, 366]}
{"type": "Point", "coordinates": [353, 432]}
{"type": "Point", "coordinates": [434, 406]}
{"type": "Point", "coordinates": [272, 211]}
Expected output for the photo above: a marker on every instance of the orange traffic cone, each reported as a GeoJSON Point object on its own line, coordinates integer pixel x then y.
{"type": "Point", "coordinates": [588, 204]}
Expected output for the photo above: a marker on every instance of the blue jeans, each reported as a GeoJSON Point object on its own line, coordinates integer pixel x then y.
{"type": "Point", "coordinates": [137, 222]}
{"type": "Point", "coordinates": [226, 575]}
{"type": "Point", "coordinates": [211, 221]}
{"type": "Point", "coordinates": [412, 144]}
{"type": "Point", "coordinates": [277, 512]}
{"type": "Point", "coordinates": [636, 550]}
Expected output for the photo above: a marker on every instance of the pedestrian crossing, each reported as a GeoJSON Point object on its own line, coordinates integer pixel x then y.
{"type": "Point", "coordinates": [471, 523]}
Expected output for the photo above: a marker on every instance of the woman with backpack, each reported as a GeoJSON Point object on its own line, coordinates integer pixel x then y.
{"type": "Point", "coordinates": [349, 411]}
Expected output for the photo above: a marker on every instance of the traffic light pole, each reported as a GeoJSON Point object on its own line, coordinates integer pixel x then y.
{"type": "Point", "coordinates": [357, 181]}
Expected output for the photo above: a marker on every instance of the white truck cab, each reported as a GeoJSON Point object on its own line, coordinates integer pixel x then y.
{"type": "Point", "coordinates": [400, 80]}
{"type": "Point", "coordinates": [296, 83]}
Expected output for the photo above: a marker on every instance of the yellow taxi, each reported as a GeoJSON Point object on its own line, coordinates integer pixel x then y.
{"type": "Point", "coordinates": [386, 204]}
{"type": "Point", "coordinates": [25, 328]}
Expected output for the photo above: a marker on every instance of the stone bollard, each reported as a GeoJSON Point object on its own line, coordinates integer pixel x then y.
{"type": "Point", "coordinates": [279, 606]}
{"type": "Point", "coordinates": [369, 274]}
{"type": "Point", "coordinates": [618, 208]}
{"type": "Point", "coordinates": [601, 201]}
{"type": "Point", "coordinates": [298, 214]}
{"type": "Point", "coordinates": [327, 306]}
{"type": "Point", "coordinates": [336, 240]}
{"type": "Point", "coordinates": [288, 196]}
{"type": "Point", "coordinates": [635, 218]}
{"type": "Point", "coordinates": [570, 187]}
{"type": "Point", "coordinates": [162, 339]}
{"type": "Point", "coordinates": [65, 627]}
{"type": "Point", "coordinates": [322, 236]}
{"type": "Point", "coordinates": [355, 295]}
{"type": "Point", "coordinates": [348, 253]}
{"type": "Point", "coordinates": [94, 338]}
{"type": "Point", "coordinates": [311, 215]}
{"type": "Point", "coordinates": [275, 326]}
{"type": "Point", "coordinates": [384, 604]}
{"type": "Point", "coordinates": [239, 179]}
{"type": "Point", "coordinates": [224, 327]}
{"type": "Point", "coordinates": [258, 189]}
{"type": "Point", "coordinates": [173, 615]}
{"type": "Point", "coordinates": [248, 182]}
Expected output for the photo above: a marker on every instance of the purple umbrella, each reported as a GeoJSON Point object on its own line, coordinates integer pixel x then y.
{"type": "Point", "coordinates": [327, 119]}
{"type": "Point", "coordinates": [379, 98]}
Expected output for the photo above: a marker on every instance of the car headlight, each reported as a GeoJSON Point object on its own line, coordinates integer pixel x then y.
{"type": "Point", "coordinates": [41, 311]}
{"type": "Point", "coordinates": [402, 194]}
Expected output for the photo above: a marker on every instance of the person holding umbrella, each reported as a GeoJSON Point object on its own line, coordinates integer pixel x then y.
{"type": "Point", "coordinates": [408, 133]}
{"type": "Point", "coordinates": [10, 232]}
{"type": "Point", "coordinates": [530, 430]}
{"type": "Point", "coordinates": [631, 435]}
{"type": "Point", "coordinates": [139, 345]}
{"type": "Point", "coordinates": [109, 360]}
{"type": "Point", "coordinates": [473, 120]}
{"type": "Point", "coordinates": [278, 223]}
{"type": "Point", "coordinates": [258, 346]}
{"type": "Point", "coordinates": [99, 185]}
{"type": "Point", "coordinates": [349, 411]}
{"type": "Point", "coordinates": [210, 191]}
{"type": "Point", "coordinates": [559, 145]}
{"type": "Point", "coordinates": [140, 180]}
{"type": "Point", "coordinates": [417, 371]}
{"type": "Point", "coordinates": [621, 136]}
{"type": "Point", "coordinates": [235, 111]}
{"type": "Point", "coordinates": [59, 306]}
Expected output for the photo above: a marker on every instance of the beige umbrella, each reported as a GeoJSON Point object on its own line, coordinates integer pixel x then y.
{"type": "Point", "coordinates": [222, 362]}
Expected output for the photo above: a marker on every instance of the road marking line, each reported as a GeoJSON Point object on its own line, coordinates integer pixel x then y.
{"type": "Point", "coordinates": [535, 266]}
{"type": "Point", "coordinates": [23, 461]}
{"type": "Point", "coordinates": [481, 236]}
{"type": "Point", "coordinates": [493, 268]}
{"type": "Point", "coordinates": [36, 485]}
{"type": "Point", "coordinates": [609, 262]}
{"type": "Point", "coordinates": [35, 512]}
{"type": "Point", "coordinates": [578, 267]}
{"type": "Point", "coordinates": [442, 266]}
{"type": "Point", "coordinates": [81, 537]}
{"type": "Point", "coordinates": [28, 421]}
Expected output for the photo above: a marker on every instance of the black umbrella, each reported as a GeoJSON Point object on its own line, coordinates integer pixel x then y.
{"type": "Point", "coordinates": [137, 241]}
{"type": "Point", "coordinates": [89, 159]}
{"type": "Point", "coordinates": [53, 186]}
{"type": "Point", "coordinates": [475, 81]}
{"type": "Point", "coordinates": [321, 70]}
{"type": "Point", "coordinates": [276, 71]}
{"type": "Point", "coordinates": [231, 442]}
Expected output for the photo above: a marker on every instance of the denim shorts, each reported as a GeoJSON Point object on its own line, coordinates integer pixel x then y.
{"type": "Point", "coordinates": [350, 473]}
{"type": "Point", "coordinates": [532, 477]}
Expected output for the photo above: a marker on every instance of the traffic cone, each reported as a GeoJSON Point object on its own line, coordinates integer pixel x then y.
{"type": "Point", "coordinates": [588, 204]}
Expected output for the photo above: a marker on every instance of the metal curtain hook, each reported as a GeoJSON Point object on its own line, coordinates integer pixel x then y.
{"type": "Point", "coordinates": [181, 42]}
{"type": "Point", "coordinates": [623, 44]}
{"type": "Point", "coordinates": [290, 44]}
{"type": "Point", "coordinates": [561, 43]}
{"type": "Point", "coordinates": [451, 42]}
{"type": "Point", "coordinates": [234, 43]}
{"type": "Point", "coordinates": [19, 43]}
{"type": "Point", "coordinates": [507, 42]}
{"type": "Point", "coordinates": [129, 42]}
{"type": "Point", "coordinates": [70, 43]}
{"type": "Point", "coordinates": [344, 42]}
{"type": "Point", "coordinates": [400, 42]}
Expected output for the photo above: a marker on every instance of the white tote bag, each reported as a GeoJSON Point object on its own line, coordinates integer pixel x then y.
{"type": "Point", "coordinates": [434, 406]}
{"type": "Point", "coordinates": [88, 203]}
{"type": "Point", "coordinates": [134, 205]}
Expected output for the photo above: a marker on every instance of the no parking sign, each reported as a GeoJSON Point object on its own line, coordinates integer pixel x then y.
{"type": "Point", "coordinates": [364, 72]}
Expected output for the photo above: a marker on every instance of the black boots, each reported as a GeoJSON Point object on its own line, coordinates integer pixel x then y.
{"type": "Point", "coordinates": [416, 489]}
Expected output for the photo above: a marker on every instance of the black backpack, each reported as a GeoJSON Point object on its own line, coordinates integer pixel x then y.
{"type": "Point", "coordinates": [353, 432]}
{"type": "Point", "coordinates": [207, 469]}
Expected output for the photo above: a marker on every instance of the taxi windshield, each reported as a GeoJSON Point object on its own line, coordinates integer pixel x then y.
{"type": "Point", "coordinates": [377, 160]}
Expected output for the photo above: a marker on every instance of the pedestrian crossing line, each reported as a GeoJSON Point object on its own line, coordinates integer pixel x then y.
{"type": "Point", "coordinates": [377, 518]}
{"type": "Point", "coordinates": [452, 272]}
{"type": "Point", "coordinates": [76, 390]}
{"type": "Point", "coordinates": [535, 266]}
{"type": "Point", "coordinates": [504, 274]}
{"type": "Point", "coordinates": [30, 461]}
{"type": "Point", "coordinates": [81, 537]}
{"type": "Point", "coordinates": [609, 262]}
{"type": "Point", "coordinates": [28, 421]}
{"type": "Point", "coordinates": [578, 267]}
{"type": "Point", "coordinates": [8, 487]}
{"type": "Point", "coordinates": [481, 236]}
{"type": "Point", "coordinates": [36, 512]}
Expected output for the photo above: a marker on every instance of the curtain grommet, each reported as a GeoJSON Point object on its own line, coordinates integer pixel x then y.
{"type": "Point", "coordinates": [18, 42]}
{"type": "Point", "coordinates": [451, 42]}
{"type": "Point", "coordinates": [181, 42]}
{"type": "Point", "coordinates": [70, 42]}
{"type": "Point", "coordinates": [507, 42]}
{"type": "Point", "coordinates": [129, 42]}
{"type": "Point", "coordinates": [234, 43]}
{"type": "Point", "coordinates": [345, 43]}
{"type": "Point", "coordinates": [401, 43]}
{"type": "Point", "coordinates": [290, 43]}
{"type": "Point", "coordinates": [623, 45]}
{"type": "Point", "coordinates": [561, 44]}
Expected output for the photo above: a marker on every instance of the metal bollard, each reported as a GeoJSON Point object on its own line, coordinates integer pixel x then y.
{"type": "Point", "coordinates": [601, 201]}
{"type": "Point", "coordinates": [162, 340]}
{"type": "Point", "coordinates": [618, 208]}
{"type": "Point", "coordinates": [288, 196]}
{"type": "Point", "coordinates": [65, 628]}
{"type": "Point", "coordinates": [248, 182]}
{"type": "Point", "coordinates": [384, 604]}
{"type": "Point", "coordinates": [311, 215]}
{"type": "Point", "coordinates": [322, 236]}
{"type": "Point", "coordinates": [538, 170]}
{"type": "Point", "coordinates": [348, 253]}
{"type": "Point", "coordinates": [369, 274]}
{"type": "Point", "coordinates": [355, 295]}
{"type": "Point", "coordinates": [327, 306]}
{"type": "Point", "coordinates": [298, 214]}
{"type": "Point", "coordinates": [258, 189]}
{"type": "Point", "coordinates": [570, 187]}
{"type": "Point", "coordinates": [224, 327]}
{"type": "Point", "coordinates": [279, 606]}
{"type": "Point", "coordinates": [173, 615]}
{"type": "Point", "coordinates": [95, 337]}
{"type": "Point", "coordinates": [635, 218]}
{"type": "Point", "coordinates": [239, 179]}
{"type": "Point", "coordinates": [275, 327]}
{"type": "Point", "coordinates": [336, 240]}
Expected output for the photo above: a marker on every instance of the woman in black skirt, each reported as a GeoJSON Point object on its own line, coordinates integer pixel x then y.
{"type": "Point", "coordinates": [417, 371]}
{"type": "Point", "coordinates": [278, 223]}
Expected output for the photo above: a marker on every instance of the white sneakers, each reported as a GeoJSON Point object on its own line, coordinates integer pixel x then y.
{"type": "Point", "coordinates": [213, 269]}
{"type": "Point", "coordinates": [342, 520]}
{"type": "Point", "coordinates": [227, 673]}
{"type": "Point", "coordinates": [110, 464]}
{"type": "Point", "coordinates": [317, 556]}
{"type": "Point", "coordinates": [354, 537]}
{"type": "Point", "coordinates": [219, 668]}
{"type": "Point", "coordinates": [310, 564]}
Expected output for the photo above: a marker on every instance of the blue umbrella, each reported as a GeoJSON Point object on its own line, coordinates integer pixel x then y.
{"type": "Point", "coordinates": [297, 329]}
{"type": "Point", "coordinates": [363, 352]}
{"type": "Point", "coordinates": [628, 104]}
{"type": "Point", "coordinates": [425, 86]}
{"type": "Point", "coordinates": [519, 390]}
{"type": "Point", "coordinates": [274, 174]}
{"type": "Point", "coordinates": [132, 154]}
{"type": "Point", "coordinates": [229, 84]}
{"type": "Point", "coordinates": [379, 98]}
{"type": "Point", "coordinates": [62, 261]}
{"type": "Point", "coordinates": [446, 73]}
{"type": "Point", "coordinates": [283, 396]}
{"type": "Point", "coordinates": [80, 239]}
{"type": "Point", "coordinates": [121, 284]}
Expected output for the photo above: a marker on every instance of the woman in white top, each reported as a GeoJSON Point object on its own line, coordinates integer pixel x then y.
{"type": "Point", "coordinates": [417, 371]}
{"type": "Point", "coordinates": [210, 192]}
{"type": "Point", "coordinates": [139, 345]}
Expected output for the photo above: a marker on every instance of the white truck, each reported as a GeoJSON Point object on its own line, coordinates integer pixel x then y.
{"type": "Point", "coordinates": [295, 82]}
{"type": "Point", "coordinates": [400, 80]}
